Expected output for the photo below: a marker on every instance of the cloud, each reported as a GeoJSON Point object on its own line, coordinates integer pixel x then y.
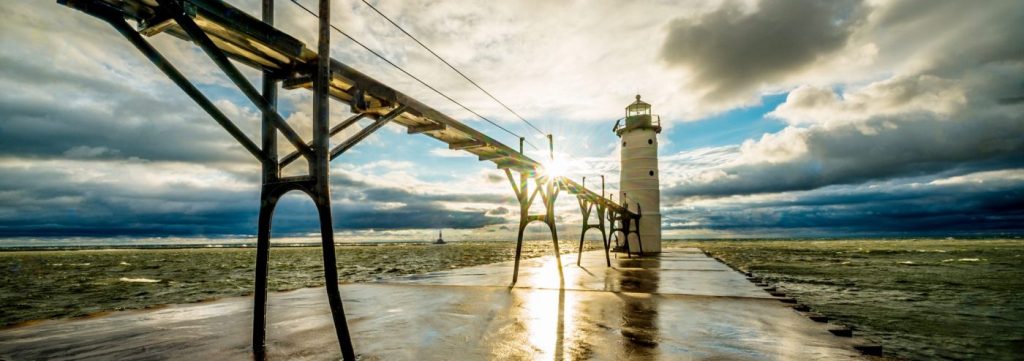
{"type": "Point", "coordinates": [448, 153]}
{"type": "Point", "coordinates": [500, 211]}
{"type": "Point", "coordinates": [929, 94]}
{"type": "Point", "coordinates": [898, 127]}
{"type": "Point", "coordinates": [914, 140]}
{"type": "Point", "coordinates": [595, 66]}
{"type": "Point", "coordinates": [494, 178]}
{"type": "Point", "coordinates": [976, 203]}
{"type": "Point", "coordinates": [944, 37]}
{"type": "Point", "coordinates": [733, 51]}
{"type": "Point", "coordinates": [145, 198]}
{"type": "Point", "coordinates": [402, 195]}
{"type": "Point", "coordinates": [300, 217]}
{"type": "Point", "coordinates": [103, 198]}
{"type": "Point", "coordinates": [85, 152]}
{"type": "Point", "coordinates": [99, 92]}
{"type": "Point", "coordinates": [885, 99]}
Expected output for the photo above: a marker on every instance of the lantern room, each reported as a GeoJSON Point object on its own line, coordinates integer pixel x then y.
{"type": "Point", "coordinates": [638, 116]}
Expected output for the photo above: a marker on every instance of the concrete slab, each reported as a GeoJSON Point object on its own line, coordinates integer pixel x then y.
{"type": "Point", "coordinates": [690, 307]}
{"type": "Point", "coordinates": [677, 271]}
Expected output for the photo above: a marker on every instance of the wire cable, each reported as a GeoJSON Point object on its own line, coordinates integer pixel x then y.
{"type": "Point", "coordinates": [452, 67]}
{"type": "Point", "coordinates": [303, 7]}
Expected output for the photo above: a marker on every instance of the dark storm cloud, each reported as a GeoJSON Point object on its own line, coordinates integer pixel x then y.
{"type": "Point", "coordinates": [42, 129]}
{"type": "Point", "coordinates": [846, 155]}
{"type": "Point", "coordinates": [89, 138]}
{"type": "Point", "coordinates": [418, 216]}
{"type": "Point", "coordinates": [417, 209]}
{"type": "Point", "coordinates": [74, 87]}
{"type": "Point", "coordinates": [104, 114]}
{"type": "Point", "coordinates": [401, 195]}
{"type": "Point", "coordinates": [731, 51]}
{"type": "Point", "coordinates": [297, 215]}
{"type": "Point", "coordinates": [972, 34]}
{"type": "Point", "coordinates": [50, 205]}
{"type": "Point", "coordinates": [52, 201]}
{"type": "Point", "coordinates": [987, 206]}
{"type": "Point", "coordinates": [860, 158]}
{"type": "Point", "coordinates": [912, 126]}
{"type": "Point", "coordinates": [96, 217]}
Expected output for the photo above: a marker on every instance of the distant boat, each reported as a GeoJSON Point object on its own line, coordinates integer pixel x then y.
{"type": "Point", "coordinates": [440, 240]}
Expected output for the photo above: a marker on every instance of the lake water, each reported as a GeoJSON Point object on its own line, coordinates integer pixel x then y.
{"type": "Point", "coordinates": [68, 283]}
{"type": "Point", "coordinates": [920, 299]}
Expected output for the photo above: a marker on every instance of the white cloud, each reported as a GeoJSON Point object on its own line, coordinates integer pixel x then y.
{"type": "Point", "coordinates": [448, 153]}
{"type": "Point", "coordinates": [905, 125]}
{"type": "Point", "coordinates": [84, 151]}
{"type": "Point", "coordinates": [880, 90]}
{"type": "Point", "coordinates": [810, 105]}
{"type": "Point", "coordinates": [1002, 176]}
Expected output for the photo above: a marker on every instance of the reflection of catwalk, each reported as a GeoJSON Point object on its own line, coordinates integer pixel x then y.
{"type": "Point", "coordinates": [440, 240]}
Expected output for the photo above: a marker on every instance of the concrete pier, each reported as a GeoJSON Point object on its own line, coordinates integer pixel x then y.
{"type": "Point", "coordinates": [679, 305]}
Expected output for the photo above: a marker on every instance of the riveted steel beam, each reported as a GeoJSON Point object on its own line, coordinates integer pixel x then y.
{"type": "Point", "coordinates": [198, 36]}
{"type": "Point", "coordinates": [365, 132]}
{"type": "Point", "coordinates": [548, 191]}
{"type": "Point", "coordinates": [117, 21]}
{"type": "Point", "coordinates": [293, 156]}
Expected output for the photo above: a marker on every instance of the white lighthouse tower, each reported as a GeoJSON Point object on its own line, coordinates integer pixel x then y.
{"type": "Point", "coordinates": [639, 171]}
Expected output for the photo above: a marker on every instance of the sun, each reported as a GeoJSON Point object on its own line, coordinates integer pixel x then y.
{"type": "Point", "coordinates": [556, 167]}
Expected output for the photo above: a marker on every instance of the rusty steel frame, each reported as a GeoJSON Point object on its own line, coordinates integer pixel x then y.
{"type": "Point", "coordinates": [548, 189]}
{"type": "Point", "coordinates": [175, 11]}
{"type": "Point", "coordinates": [287, 63]}
{"type": "Point", "coordinates": [629, 223]}
{"type": "Point", "coordinates": [316, 184]}
{"type": "Point", "coordinates": [588, 206]}
{"type": "Point", "coordinates": [619, 217]}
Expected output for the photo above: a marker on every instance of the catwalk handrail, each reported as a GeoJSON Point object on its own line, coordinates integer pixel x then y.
{"type": "Point", "coordinates": [579, 190]}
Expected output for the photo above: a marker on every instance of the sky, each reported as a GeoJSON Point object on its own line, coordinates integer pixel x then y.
{"type": "Point", "coordinates": [794, 118]}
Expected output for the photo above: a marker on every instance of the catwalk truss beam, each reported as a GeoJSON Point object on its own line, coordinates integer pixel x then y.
{"type": "Point", "coordinates": [588, 204]}
{"type": "Point", "coordinates": [621, 220]}
{"type": "Point", "coordinates": [625, 222]}
{"type": "Point", "coordinates": [548, 190]}
{"type": "Point", "coordinates": [225, 33]}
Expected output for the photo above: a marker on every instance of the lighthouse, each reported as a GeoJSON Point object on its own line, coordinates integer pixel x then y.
{"type": "Point", "coordinates": [638, 188]}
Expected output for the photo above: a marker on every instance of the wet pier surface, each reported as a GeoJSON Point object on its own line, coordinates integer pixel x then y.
{"type": "Point", "coordinates": [679, 305]}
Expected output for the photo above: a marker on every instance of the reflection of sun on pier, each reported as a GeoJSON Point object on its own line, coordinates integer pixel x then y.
{"type": "Point", "coordinates": [548, 315]}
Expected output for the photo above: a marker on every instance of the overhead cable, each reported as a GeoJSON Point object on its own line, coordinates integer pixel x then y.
{"type": "Point", "coordinates": [452, 67]}
{"type": "Point", "coordinates": [303, 7]}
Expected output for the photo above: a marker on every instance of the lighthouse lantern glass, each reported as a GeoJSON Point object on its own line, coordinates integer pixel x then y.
{"type": "Point", "coordinates": [638, 114]}
{"type": "Point", "coordinates": [638, 108]}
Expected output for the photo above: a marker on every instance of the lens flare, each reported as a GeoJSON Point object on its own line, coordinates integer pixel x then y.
{"type": "Point", "coordinates": [556, 167]}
